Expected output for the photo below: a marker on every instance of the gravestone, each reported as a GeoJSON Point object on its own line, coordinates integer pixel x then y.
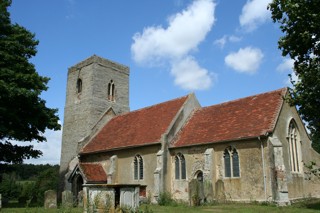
{"type": "Point", "coordinates": [50, 199]}
{"type": "Point", "coordinates": [196, 192]}
{"type": "Point", "coordinates": [0, 202]}
{"type": "Point", "coordinates": [67, 199]}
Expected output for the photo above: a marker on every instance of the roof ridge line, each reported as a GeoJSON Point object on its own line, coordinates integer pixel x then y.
{"type": "Point", "coordinates": [250, 96]}
{"type": "Point", "coordinates": [148, 107]}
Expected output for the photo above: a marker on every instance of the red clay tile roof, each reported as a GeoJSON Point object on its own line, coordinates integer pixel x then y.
{"type": "Point", "coordinates": [93, 172]}
{"type": "Point", "coordinates": [239, 119]}
{"type": "Point", "coordinates": [136, 128]}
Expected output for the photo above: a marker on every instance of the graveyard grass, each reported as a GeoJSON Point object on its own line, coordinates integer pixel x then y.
{"type": "Point", "coordinates": [308, 206]}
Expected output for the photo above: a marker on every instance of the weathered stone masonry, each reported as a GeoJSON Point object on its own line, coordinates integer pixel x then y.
{"type": "Point", "coordinates": [83, 109]}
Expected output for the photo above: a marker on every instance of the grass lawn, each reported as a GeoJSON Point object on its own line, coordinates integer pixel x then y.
{"type": "Point", "coordinates": [41, 210]}
{"type": "Point", "coordinates": [230, 208]}
{"type": "Point", "coordinates": [305, 207]}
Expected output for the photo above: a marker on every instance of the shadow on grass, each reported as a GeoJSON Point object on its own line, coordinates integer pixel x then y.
{"type": "Point", "coordinates": [308, 204]}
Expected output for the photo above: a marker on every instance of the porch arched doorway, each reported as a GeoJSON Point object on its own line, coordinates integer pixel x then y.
{"type": "Point", "coordinates": [77, 188]}
{"type": "Point", "coordinates": [199, 176]}
{"type": "Point", "coordinates": [196, 188]}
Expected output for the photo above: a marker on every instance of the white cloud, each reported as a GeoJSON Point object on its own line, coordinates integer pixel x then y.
{"type": "Point", "coordinates": [233, 38]}
{"type": "Point", "coordinates": [190, 76]}
{"type": "Point", "coordinates": [246, 60]}
{"type": "Point", "coordinates": [254, 13]}
{"type": "Point", "coordinates": [223, 40]}
{"type": "Point", "coordinates": [294, 77]}
{"type": "Point", "coordinates": [51, 150]}
{"type": "Point", "coordinates": [286, 65]}
{"type": "Point", "coordinates": [174, 44]}
{"type": "Point", "coordinates": [71, 9]}
{"type": "Point", "coordinates": [185, 31]}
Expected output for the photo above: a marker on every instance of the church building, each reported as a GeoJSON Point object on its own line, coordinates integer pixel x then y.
{"type": "Point", "coordinates": [250, 149]}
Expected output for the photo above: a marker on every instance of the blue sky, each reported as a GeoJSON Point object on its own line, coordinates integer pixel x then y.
{"type": "Point", "coordinates": [220, 50]}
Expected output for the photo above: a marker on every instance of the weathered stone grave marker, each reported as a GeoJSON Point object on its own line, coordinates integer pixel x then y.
{"type": "Point", "coordinates": [67, 199]}
{"type": "Point", "coordinates": [50, 199]}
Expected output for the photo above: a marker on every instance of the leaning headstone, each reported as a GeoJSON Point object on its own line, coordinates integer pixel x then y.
{"type": "Point", "coordinates": [50, 199]}
{"type": "Point", "coordinates": [67, 199]}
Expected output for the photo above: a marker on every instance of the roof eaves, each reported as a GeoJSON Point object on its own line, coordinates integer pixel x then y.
{"type": "Point", "coordinates": [119, 148]}
{"type": "Point", "coordinates": [219, 142]}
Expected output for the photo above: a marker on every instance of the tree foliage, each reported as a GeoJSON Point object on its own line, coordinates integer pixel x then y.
{"type": "Point", "coordinates": [23, 114]}
{"type": "Point", "coordinates": [27, 182]}
{"type": "Point", "coordinates": [300, 22]}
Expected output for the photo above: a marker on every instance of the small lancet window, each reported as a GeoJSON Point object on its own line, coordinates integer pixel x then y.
{"type": "Point", "coordinates": [231, 162]}
{"type": "Point", "coordinates": [111, 91]}
{"type": "Point", "coordinates": [79, 85]}
{"type": "Point", "coordinates": [180, 167]}
{"type": "Point", "coordinates": [138, 167]}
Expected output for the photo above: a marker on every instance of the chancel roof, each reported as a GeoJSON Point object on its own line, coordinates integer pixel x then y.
{"type": "Point", "coordinates": [235, 120]}
{"type": "Point", "coordinates": [136, 128]}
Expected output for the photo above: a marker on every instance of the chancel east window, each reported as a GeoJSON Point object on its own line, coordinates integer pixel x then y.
{"type": "Point", "coordinates": [231, 162]}
{"type": "Point", "coordinates": [180, 167]}
{"type": "Point", "coordinates": [294, 148]}
{"type": "Point", "coordinates": [138, 167]}
{"type": "Point", "coordinates": [111, 88]}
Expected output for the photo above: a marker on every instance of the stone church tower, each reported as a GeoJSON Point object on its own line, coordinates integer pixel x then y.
{"type": "Point", "coordinates": [94, 86]}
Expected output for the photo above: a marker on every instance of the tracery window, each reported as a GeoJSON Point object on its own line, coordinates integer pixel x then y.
{"type": "Point", "coordinates": [180, 167]}
{"type": "Point", "coordinates": [231, 162]}
{"type": "Point", "coordinates": [111, 90]}
{"type": "Point", "coordinates": [138, 167]}
{"type": "Point", "coordinates": [294, 148]}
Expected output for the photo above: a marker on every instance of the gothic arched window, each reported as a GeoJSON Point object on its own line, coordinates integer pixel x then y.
{"type": "Point", "coordinates": [294, 147]}
{"type": "Point", "coordinates": [138, 167]}
{"type": "Point", "coordinates": [180, 167]}
{"type": "Point", "coordinates": [111, 90]}
{"type": "Point", "coordinates": [231, 162]}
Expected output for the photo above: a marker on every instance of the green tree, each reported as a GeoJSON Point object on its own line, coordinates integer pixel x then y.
{"type": "Point", "coordinates": [47, 180]}
{"type": "Point", "coordinates": [9, 188]}
{"type": "Point", "coordinates": [300, 22]}
{"type": "Point", "coordinates": [23, 114]}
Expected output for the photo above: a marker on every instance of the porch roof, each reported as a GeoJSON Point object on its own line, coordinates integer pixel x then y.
{"type": "Point", "coordinates": [93, 172]}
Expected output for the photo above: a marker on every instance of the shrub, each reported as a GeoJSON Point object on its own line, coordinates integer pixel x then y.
{"type": "Point", "coordinates": [165, 199]}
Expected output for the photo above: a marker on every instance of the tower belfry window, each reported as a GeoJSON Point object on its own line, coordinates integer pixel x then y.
{"type": "Point", "coordinates": [111, 90]}
{"type": "Point", "coordinates": [79, 85]}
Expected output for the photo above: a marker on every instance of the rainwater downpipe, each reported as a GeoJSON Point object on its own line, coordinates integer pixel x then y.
{"type": "Point", "coordinates": [263, 170]}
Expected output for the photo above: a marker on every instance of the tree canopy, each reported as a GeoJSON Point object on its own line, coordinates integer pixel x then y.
{"type": "Point", "coordinates": [23, 114]}
{"type": "Point", "coordinates": [300, 22]}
